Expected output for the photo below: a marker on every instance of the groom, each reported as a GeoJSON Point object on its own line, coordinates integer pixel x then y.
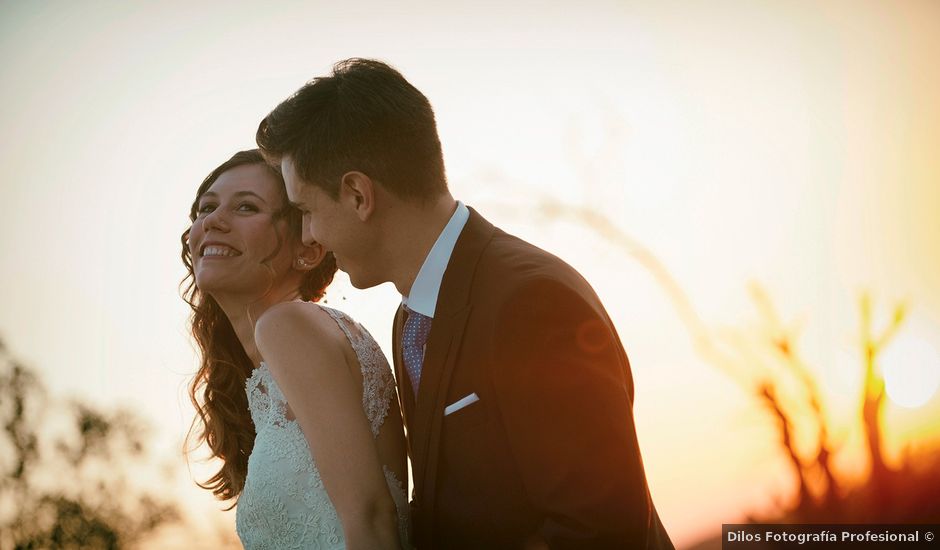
{"type": "Point", "coordinates": [516, 392]}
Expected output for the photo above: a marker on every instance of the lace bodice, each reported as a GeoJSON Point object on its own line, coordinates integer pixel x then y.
{"type": "Point", "coordinates": [284, 504]}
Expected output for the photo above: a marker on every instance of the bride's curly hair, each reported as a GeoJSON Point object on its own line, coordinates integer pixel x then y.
{"type": "Point", "coordinates": [217, 390]}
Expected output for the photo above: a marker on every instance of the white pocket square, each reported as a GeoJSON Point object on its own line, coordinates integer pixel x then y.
{"type": "Point", "coordinates": [461, 403]}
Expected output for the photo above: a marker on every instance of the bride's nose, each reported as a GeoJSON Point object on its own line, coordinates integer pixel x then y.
{"type": "Point", "coordinates": [215, 220]}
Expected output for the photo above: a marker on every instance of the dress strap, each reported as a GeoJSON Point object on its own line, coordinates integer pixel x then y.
{"type": "Point", "coordinates": [343, 321]}
{"type": "Point", "coordinates": [378, 385]}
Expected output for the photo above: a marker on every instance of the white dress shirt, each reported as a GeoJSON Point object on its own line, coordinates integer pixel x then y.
{"type": "Point", "coordinates": [423, 295]}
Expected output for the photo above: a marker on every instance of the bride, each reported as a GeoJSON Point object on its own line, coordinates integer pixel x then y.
{"type": "Point", "coordinates": [296, 399]}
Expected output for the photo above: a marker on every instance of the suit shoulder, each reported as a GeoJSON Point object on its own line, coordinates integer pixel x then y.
{"type": "Point", "coordinates": [511, 264]}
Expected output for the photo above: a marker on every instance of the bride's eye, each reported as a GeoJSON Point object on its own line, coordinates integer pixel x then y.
{"type": "Point", "coordinates": [247, 207]}
{"type": "Point", "coordinates": [206, 208]}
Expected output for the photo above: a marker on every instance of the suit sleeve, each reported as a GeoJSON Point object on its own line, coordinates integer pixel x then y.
{"type": "Point", "coordinates": [565, 394]}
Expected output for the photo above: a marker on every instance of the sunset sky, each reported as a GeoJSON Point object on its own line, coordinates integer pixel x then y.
{"type": "Point", "coordinates": [791, 144]}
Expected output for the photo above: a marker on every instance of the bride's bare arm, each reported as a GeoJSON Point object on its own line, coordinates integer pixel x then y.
{"type": "Point", "coordinates": [303, 348]}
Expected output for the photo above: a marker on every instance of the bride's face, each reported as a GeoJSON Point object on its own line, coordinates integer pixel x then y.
{"type": "Point", "coordinates": [234, 240]}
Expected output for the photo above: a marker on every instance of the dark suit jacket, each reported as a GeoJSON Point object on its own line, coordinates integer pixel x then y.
{"type": "Point", "coordinates": [550, 448]}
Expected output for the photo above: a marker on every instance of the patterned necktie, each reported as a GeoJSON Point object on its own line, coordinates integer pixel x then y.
{"type": "Point", "coordinates": [414, 337]}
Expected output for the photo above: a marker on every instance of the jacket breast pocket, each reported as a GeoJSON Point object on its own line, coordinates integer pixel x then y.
{"type": "Point", "coordinates": [465, 413]}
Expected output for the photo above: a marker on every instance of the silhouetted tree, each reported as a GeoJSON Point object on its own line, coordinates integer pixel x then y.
{"type": "Point", "coordinates": [64, 468]}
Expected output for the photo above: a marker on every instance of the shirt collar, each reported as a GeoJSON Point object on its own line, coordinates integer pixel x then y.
{"type": "Point", "coordinates": [427, 285]}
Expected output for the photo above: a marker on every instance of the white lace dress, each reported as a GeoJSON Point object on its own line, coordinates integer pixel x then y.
{"type": "Point", "coordinates": [284, 504]}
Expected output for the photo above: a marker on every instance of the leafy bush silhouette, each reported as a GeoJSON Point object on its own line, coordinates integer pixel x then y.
{"type": "Point", "coordinates": [64, 467]}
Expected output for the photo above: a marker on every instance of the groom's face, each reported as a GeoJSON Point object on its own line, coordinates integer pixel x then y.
{"type": "Point", "coordinates": [324, 221]}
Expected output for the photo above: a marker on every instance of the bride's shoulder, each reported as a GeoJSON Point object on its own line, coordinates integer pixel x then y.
{"type": "Point", "coordinates": [287, 320]}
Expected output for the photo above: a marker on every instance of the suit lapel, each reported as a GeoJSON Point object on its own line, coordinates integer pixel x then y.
{"type": "Point", "coordinates": [439, 360]}
{"type": "Point", "coordinates": [406, 399]}
{"type": "Point", "coordinates": [441, 356]}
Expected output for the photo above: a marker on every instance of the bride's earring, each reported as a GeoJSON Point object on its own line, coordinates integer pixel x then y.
{"type": "Point", "coordinates": [301, 263]}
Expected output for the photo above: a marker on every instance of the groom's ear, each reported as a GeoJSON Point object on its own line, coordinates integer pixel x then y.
{"type": "Point", "coordinates": [357, 191]}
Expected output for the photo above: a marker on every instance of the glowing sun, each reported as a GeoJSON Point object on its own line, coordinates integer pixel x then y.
{"type": "Point", "coordinates": [911, 368]}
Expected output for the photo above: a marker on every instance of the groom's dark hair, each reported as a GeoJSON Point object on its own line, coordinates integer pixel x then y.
{"type": "Point", "coordinates": [364, 117]}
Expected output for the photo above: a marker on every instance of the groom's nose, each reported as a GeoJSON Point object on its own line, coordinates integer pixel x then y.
{"type": "Point", "coordinates": [306, 236]}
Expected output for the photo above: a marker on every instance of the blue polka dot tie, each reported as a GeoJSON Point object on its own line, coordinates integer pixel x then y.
{"type": "Point", "coordinates": [417, 327]}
